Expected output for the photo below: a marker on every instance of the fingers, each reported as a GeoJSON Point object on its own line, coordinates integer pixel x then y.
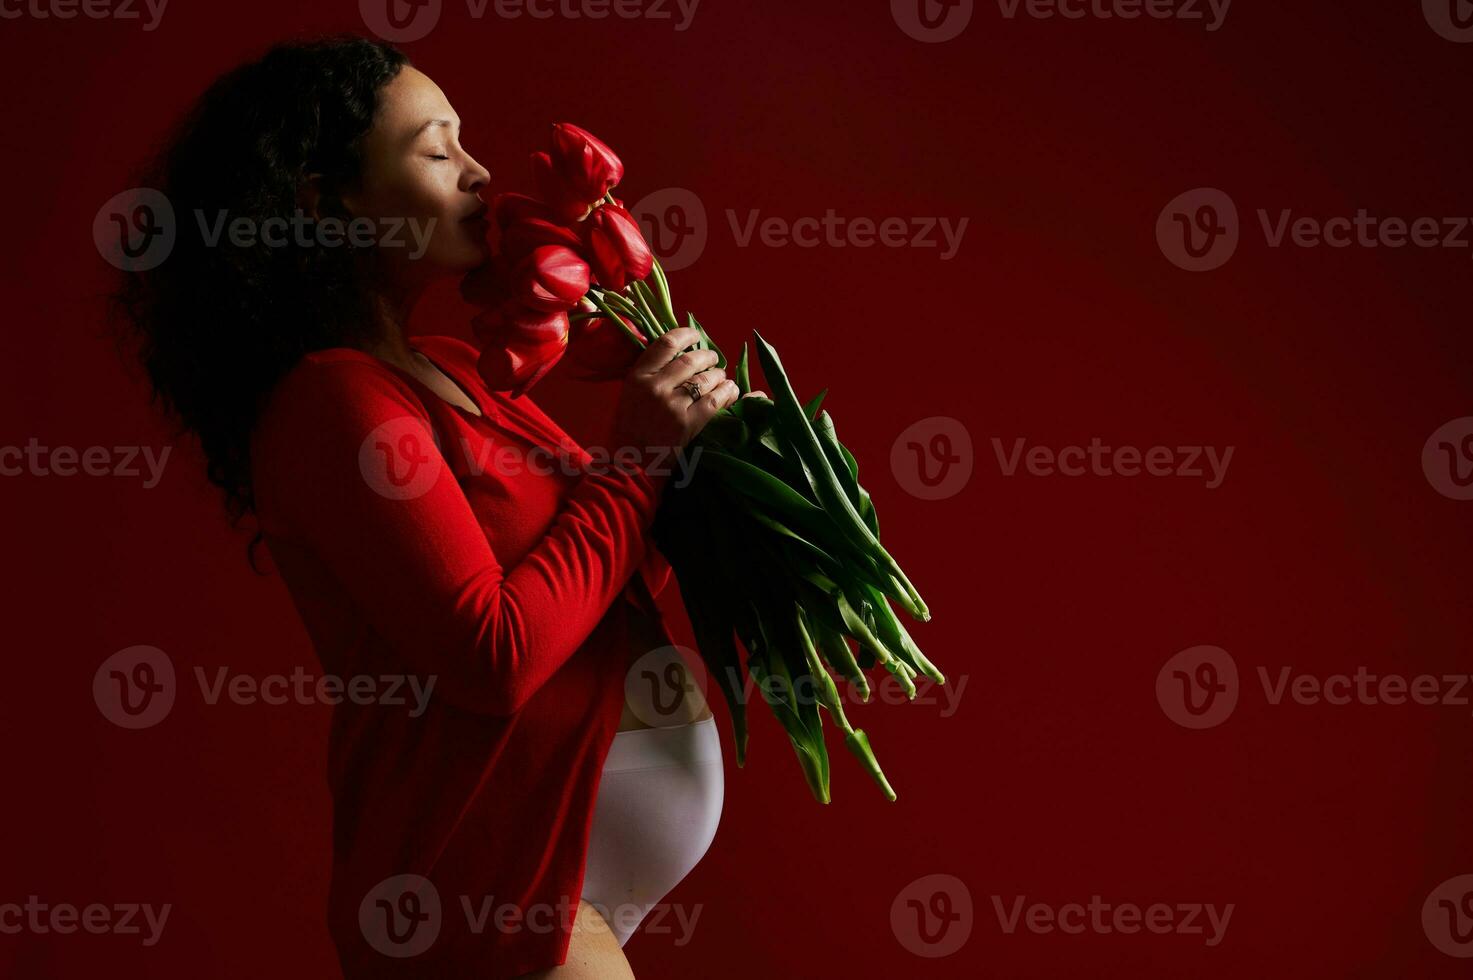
{"type": "Point", "coordinates": [714, 401]}
{"type": "Point", "coordinates": [664, 349]}
{"type": "Point", "coordinates": [692, 362]}
{"type": "Point", "coordinates": [709, 380]}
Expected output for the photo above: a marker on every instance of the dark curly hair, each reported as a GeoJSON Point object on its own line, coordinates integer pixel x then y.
{"type": "Point", "coordinates": [216, 325]}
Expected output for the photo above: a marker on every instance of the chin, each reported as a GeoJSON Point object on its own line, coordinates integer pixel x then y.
{"type": "Point", "coordinates": [459, 259]}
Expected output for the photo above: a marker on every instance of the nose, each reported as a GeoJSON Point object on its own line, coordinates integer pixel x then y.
{"type": "Point", "coordinates": [474, 176]}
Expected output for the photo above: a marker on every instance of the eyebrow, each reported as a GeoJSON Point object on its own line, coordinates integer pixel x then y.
{"type": "Point", "coordinates": [448, 124]}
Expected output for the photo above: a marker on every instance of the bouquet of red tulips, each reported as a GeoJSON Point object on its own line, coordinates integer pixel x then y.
{"type": "Point", "coordinates": [803, 572]}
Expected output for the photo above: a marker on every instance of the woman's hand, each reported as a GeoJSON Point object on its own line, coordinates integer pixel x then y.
{"type": "Point", "coordinates": [656, 408]}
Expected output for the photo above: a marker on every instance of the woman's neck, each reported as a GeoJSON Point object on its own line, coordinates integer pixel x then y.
{"type": "Point", "coordinates": [391, 342]}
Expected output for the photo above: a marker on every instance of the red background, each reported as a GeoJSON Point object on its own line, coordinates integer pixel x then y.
{"type": "Point", "coordinates": [1058, 599]}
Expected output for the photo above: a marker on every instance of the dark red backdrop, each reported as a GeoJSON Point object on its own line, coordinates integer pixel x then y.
{"type": "Point", "coordinates": [1058, 600]}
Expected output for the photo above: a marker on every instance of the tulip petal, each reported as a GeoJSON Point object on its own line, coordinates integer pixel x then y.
{"type": "Point", "coordinates": [584, 162]}
{"type": "Point", "coordinates": [519, 347]}
{"type": "Point", "coordinates": [552, 278]}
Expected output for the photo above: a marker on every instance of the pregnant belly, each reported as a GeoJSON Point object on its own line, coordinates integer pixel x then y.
{"type": "Point", "coordinates": [660, 689]}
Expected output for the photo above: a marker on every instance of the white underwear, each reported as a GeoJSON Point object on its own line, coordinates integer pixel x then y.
{"type": "Point", "coordinates": [659, 801]}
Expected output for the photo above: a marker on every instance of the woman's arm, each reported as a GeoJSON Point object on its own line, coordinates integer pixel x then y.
{"type": "Point", "coordinates": [421, 570]}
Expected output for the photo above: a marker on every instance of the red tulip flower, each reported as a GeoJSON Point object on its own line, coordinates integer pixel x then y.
{"type": "Point", "coordinates": [510, 207]}
{"type": "Point", "coordinates": [577, 173]}
{"type": "Point", "coordinates": [518, 347]}
{"type": "Point", "coordinates": [616, 247]}
{"type": "Point", "coordinates": [520, 237]}
{"type": "Point", "coordinates": [552, 278]}
{"type": "Point", "coordinates": [583, 157]}
{"type": "Point", "coordinates": [600, 350]}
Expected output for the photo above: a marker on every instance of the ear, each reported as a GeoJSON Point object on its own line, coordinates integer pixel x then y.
{"type": "Point", "coordinates": [318, 201]}
{"type": "Point", "coordinates": [309, 196]}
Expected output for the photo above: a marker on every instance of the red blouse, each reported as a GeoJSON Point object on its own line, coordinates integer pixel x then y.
{"type": "Point", "coordinates": [417, 539]}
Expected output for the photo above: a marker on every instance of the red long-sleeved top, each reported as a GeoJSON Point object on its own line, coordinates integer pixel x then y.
{"type": "Point", "coordinates": [510, 586]}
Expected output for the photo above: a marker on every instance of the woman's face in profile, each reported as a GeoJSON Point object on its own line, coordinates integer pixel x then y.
{"type": "Point", "coordinates": [415, 169]}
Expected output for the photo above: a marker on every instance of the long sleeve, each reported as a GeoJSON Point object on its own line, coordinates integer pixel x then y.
{"type": "Point", "coordinates": [414, 559]}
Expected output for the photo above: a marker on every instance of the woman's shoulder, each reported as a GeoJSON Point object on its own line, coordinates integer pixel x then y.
{"type": "Point", "coordinates": [339, 374]}
{"type": "Point", "coordinates": [332, 387]}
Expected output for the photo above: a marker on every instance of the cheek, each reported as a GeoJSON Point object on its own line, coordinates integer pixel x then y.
{"type": "Point", "coordinates": [412, 193]}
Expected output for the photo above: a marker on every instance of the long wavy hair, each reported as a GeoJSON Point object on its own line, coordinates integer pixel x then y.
{"type": "Point", "coordinates": [216, 325]}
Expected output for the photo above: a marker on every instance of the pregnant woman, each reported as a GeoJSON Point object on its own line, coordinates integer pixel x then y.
{"type": "Point", "coordinates": [526, 819]}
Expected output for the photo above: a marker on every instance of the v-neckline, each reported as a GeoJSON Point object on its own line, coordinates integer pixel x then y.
{"type": "Point", "coordinates": [482, 410]}
{"type": "Point", "coordinates": [491, 413]}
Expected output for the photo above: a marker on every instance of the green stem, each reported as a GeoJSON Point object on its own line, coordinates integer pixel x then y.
{"type": "Point", "coordinates": [644, 306]}
{"type": "Point", "coordinates": [662, 290]}
{"type": "Point", "coordinates": [613, 314]}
